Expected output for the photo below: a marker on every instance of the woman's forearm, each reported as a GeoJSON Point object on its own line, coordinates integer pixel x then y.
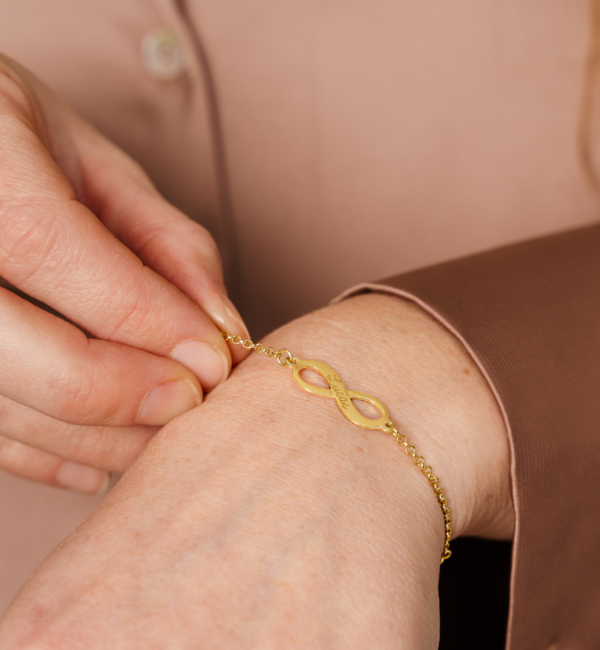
{"type": "Point", "coordinates": [266, 519]}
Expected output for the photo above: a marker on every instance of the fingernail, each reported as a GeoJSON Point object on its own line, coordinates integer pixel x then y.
{"type": "Point", "coordinates": [168, 401]}
{"type": "Point", "coordinates": [82, 478]}
{"type": "Point", "coordinates": [226, 316]}
{"type": "Point", "coordinates": [234, 314]}
{"type": "Point", "coordinates": [207, 363]}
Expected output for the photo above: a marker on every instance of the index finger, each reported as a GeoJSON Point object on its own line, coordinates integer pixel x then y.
{"type": "Point", "coordinates": [54, 249]}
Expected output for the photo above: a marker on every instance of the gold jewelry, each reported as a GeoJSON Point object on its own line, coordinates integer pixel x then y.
{"type": "Point", "coordinates": [337, 390]}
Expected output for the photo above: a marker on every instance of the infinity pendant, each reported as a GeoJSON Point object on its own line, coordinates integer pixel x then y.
{"type": "Point", "coordinates": [343, 397]}
{"type": "Point", "coordinates": [337, 390]}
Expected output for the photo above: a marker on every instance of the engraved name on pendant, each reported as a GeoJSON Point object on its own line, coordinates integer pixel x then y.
{"type": "Point", "coordinates": [343, 397]}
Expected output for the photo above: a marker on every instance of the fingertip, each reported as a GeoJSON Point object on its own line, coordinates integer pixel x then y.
{"type": "Point", "coordinates": [224, 314]}
{"type": "Point", "coordinates": [236, 323]}
{"type": "Point", "coordinates": [208, 363]}
{"type": "Point", "coordinates": [82, 478]}
{"type": "Point", "coordinates": [167, 401]}
{"type": "Point", "coordinates": [228, 320]}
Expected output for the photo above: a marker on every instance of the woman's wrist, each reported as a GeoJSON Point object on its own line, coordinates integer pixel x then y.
{"type": "Point", "coordinates": [264, 515]}
{"type": "Point", "coordinates": [391, 349]}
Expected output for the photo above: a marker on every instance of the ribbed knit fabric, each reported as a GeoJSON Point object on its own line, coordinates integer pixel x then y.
{"type": "Point", "coordinates": [529, 314]}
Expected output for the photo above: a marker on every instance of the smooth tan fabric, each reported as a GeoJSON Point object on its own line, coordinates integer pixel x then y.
{"type": "Point", "coordinates": [326, 144]}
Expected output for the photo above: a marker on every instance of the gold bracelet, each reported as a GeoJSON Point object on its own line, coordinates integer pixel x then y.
{"type": "Point", "coordinates": [343, 397]}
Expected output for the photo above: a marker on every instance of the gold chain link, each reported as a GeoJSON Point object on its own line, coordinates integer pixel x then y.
{"type": "Point", "coordinates": [426, 470]}
{"type": "Point", "coordinates": [286, 359]}
{"type": "Point", "coordinates": [272, 353]}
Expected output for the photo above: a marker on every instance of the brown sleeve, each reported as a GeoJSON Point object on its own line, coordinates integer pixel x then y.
{"type": "Point", "coordinates": [530, 316]}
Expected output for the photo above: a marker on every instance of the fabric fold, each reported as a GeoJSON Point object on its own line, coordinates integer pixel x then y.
{"type": "Point", "coordinates": [529, 315]}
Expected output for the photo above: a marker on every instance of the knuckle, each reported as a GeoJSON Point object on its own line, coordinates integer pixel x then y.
{"type": "Point", "coordinates": [106, 447]}
{"type": "Point", "coordinates": [92, 396]}
{"type": "Point", "coordinates": [135, 170]}
{"type": "Point", "coordinates": [30, 238]}
{"type": "Point", "coordinates": [81, 402]}
{"type": "Point", "coordinates": [205, 239]}
{"type": "Point", "coordinates": [133, 308]}
{"type": "Point", "coordinates": [187, 238]}
{"type": "Point", "coordinates": [78, 449]}
{"type": "Point", "coordinates": [205, 243]}
{"type": "Point", "coordinates": [207, 248]}
{"type": "Point", "coordinates": [90, 446]}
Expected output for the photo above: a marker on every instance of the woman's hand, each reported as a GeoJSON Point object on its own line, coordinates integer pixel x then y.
{"type": "Point", "coordinates": [264, 519]}
{"type": "Point", "coordinates": [83, 230]}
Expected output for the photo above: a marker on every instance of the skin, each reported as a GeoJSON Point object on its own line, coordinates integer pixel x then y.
{"type": "Point", "coordinates": [83, 231]}
{"type": "Point", "coordinates": [264, 519]}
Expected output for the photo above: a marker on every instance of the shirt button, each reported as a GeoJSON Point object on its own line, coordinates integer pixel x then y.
{"type": "Point", "coordinates": [163, 55]}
